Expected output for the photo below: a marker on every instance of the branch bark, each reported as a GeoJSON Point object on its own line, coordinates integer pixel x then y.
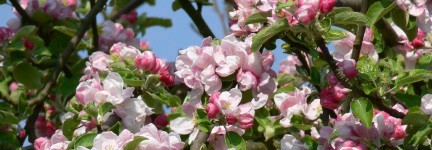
{"type": "Point", "coordinates": [360, 34]}
{"type": "Point", "coordinates": [31, 121]}
{"type": "Point", "coordinates": [94, 29]}
{"type": "Point", "coordinates": [196, 18]}
{"type": "Point", "coordinates": [25, 17]}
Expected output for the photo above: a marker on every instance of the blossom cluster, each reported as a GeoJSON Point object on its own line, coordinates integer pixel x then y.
{"type": "Point", "coordinates": [114, 33]}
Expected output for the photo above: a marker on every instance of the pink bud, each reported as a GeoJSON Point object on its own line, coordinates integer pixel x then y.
{"type": "Point", "coordinates": [22, 134]}
{"type": "Point", "coordinates": [214, 97]}
{"type": "Point", "coordinates": [306, 13]}
{"type": "Point", "coordinates": [131, 17]}
{"type": "Point", "coordinates": [332, 79]}
{"type": "Point", "coordinates": [246, 121]}
{"type": "Point", "coordinates": [13, 86]}
{"type": "Point", "coordinates": [166, 78]}
{"type": "Point", "coordinates": [348, 67]}
{"type": "Point", "coordinates": [50, 129]}
{"type": "Point", "coordinates": [399, 132]}
{"type": "Point", "coordinates": [161, 121]}
{"type": "Point", "coordinates": [39, 143]}
{"type": "Point", "coordinates": [5, 34]}
{"type": "Point", "coordinates": [327, 99]}
{"type": "Point", "coordinates": [146, 61]}
{"type": "Point", "coordinates": [144, 45]}
{"type": "Point", "coordinates": [325, 6]}
{"type": "Point", "coordinates": [231, 119]}
{"type": "Point", "coordinates": [418, 42]}
{"type": "Point", "coordinates": [28, 44]}
{"type": "Point", "coordinates": [211, 110]}
{"type": "Point", "coordinates": [161, 66]}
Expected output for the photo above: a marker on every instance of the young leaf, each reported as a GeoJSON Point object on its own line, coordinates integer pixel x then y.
{"type": "Point", "coordinates": [257, 18]}
{"type": "Point", "coordinates": [413, 76]}
{"type": "Point", "coordinates": [362, 109]}
{"type": "Point", "coordinates": [234, 140]}
{"type": "Point", "coordinates": [69, 126]}
{"type": "Point", "coordinates": [334, 35]}
{"type": "Point", "coordinates": [265, 34]}
{"type": "Point", "coordinates": [85, 140]}
{"type": "Point", "coordinates": [378, 9]}
{"type": "Point", "coordinates": [132, 145]}
{"type": "Point", "coordinates": [28, 75]}
{"type": "Point", "coordinates": [350, 18]}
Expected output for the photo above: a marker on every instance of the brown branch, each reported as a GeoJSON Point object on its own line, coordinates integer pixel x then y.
{"type": "Point", "coordinates": [196, 18]}
{"type": "Point", "coordinates": [30, 123]}
{"type": "Point", "coordinates": [199, 140]}
{"type": "Point", "coordinates": [25, 17]}
{"type": "Point", "coordinates": [68, 51]}
{"type": "Point", "coordinates": [360, 34]}
{"type": "Point", "coordinates": [375, 99]}
{"type": "Point", "coordinates": [94, 29]}
{"type": "Point", "coordinates": [129, 7]}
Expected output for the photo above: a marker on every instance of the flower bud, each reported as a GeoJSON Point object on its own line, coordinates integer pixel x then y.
{"type": "Point", "coordinates": [418, 42]}
{"type": "Point", "coordinates": [40, 143]}
{"type": "Point", "coordinates": [246, 121]}
{"type": "Point", "coordinates": [144, 45]}
{"type": "Point", "coordinates": [146, 61]}
{"type": "Point", "coordinates": [22, 134]}
{"type": "Point", "coordinates": [325, 6]}
{"type": "Point", "coordinates": [166, 78]}
{"type": "Point", "coordinates": [161, 121]}
{"type": "Point", "coordinates": [231, 119]}
{"type": "Point", "coordinates": [28, 44]}
{"type": "Point", "coordinates": [13, 86]}
{"type": "Point", "coordinates": [211, 110]}
{"type": "Point", "coordinates": [131, 17]}
{"type": "Point", "coordinates": [306, 13]}
{"type": "Point", "coordinates": [214, 97]}
{"type": "Point", "coordinates": [348, 67]}
{"type": "Point", "coordinates": [340, 92]}
{"type": "Point", "coordinates": [327, 99]}
{"type": "Point", "coordinates": [5, 34]}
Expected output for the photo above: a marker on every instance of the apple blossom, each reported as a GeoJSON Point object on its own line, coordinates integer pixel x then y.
{"type": "Point", "coordinates": [343, 47]}
{"type": "Point", "coordinates": [289, 64]}
{"type": "Point", "coordinates": [113, 33]}
{"type": "Point", "coordinates": [5, 34]}
{"type": "Point", "coordinates": [426, 104]}
{"type": "Point", "coordinates": [348, 67]}
{"type": "Point", "coordinates": [161, 121]}
{"type": "Point", "coordinates": [159, 140]}
{"type": "Point", "coordinates": [306, 13]}
{"type": "Point", "coordinates": [290, 142]}
{"type": "Point", "coordinates": [109, 140]}
{"type": "Point", "coordinates": [325, 6]}
{"type": "Point", "coordinates": [211, 110]}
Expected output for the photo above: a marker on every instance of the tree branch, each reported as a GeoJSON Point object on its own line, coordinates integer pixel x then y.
{"type": "Point", "coordinates": [129, 7]}
{"type": "Point", "coordinates": [378, 101]}
{"type": "Point", "coordinates": [199, 141]}
{"type": "Point", "coordinates": [196, 18]}
{"type": "Point", "coordinates": [360, 34]}
{"type": "Point", "coordinates": [68, 51]}
{"type": "Point", "coordinates": [31, 121]}
{"type": "Point", "coordinates": [25, 17]}
{"type": "Point", "coordinates": [94, 29]}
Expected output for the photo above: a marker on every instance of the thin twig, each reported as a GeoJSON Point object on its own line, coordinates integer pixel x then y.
{"type": "Point", "coordinates": [68, 51]}
{"type": "Point", "coordinates": [25, 17]}
{"type": "Point", "coordinates": [94, 30]}
{"type": "Point", "coordinates": [129, 7]}
{"type": "Point", "coordinates": [360, 34]}
{"type": "Point", "coordinates": [196, 18]}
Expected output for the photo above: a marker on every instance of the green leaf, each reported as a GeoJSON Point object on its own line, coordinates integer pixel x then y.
{"type": "Point", "coordinates": [234, 140]}
{"type": "Point", "coordinates": [9, 141]}
{"type": "Point", "coordinates": [8, 117]}
{"type": "Point", "coordinates": [85, 140]}
{"type": "Point", "coordinates": [132, 145]}
{"type": "Point", "coordinates": [420, 135]}
{"type": "Point", "coordinates": [425, 61]}
{"type": "Point", "coordinates": [175, 5]}
{"type": "Point", "coordinates": [203, 121]}
{"type": "Point", "coordinates": [362, 109]}
{"type": "Point", "coordinates": [367, 68]}
{"type": "Point", "coordinates": [133, 82]}
{"type": "Point", "coordinates": [115, 128]}
{"type": "Point", "coordinates": [2, 1]}
{"type": "Point", "coordinates": [267, 33]}
{"type": "Point", "coordinates": [69, 126]}
{"type": "Point", "coordinates": [260, 17]}
{"type": "Point", "coordinates": [24, 32]}
{"type": "Point", "coordinates": [408, 99]}
{"type": "Point", "coordinates": [350, 18]}
{"type": "Point", "coordinates": [65, 30]}
{"type": "Point", "coordinates": [416, 117]}
{"type": "Point", "coordinates": [28, 75]}
{"type": "Point", "coordinates": [413, 76]}
{"type": "Point", "coordinates": [378, 9]}
{"type": "Point", "coordinates": [315, 76]}
{"type": "Point", "coordinates": [106, 107]}
{"type": "Point", "coordinates": [334, 35]}
{"type": "Point", "coordinates": [298, 122]}
{"type": "Point", "coordinates": [91, 110]}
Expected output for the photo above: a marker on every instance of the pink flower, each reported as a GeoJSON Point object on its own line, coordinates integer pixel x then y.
{"type": "Point", "coordinates": [246, 80]}
{"type": "Point", "coordinates": [99, 61]}
{"type": "Point", "coordinates": [348, 144]}
{"type": "Point", "coordinates": [57, 142]}
{"type": "Point", "coordinates": [289, 64]}
{"type": "Point", "coordinates": [426, 104]}
{"type": "Point", "coordinates": [231, 119]}
{"type": "Point", "coordinates": [306, 13]}
{"type": "Point", "coordinates": [294, 103]}
{"type": "Point", "coordinates": [133, 113]}
{"type": "Point", "coordinates": [414, 7]}
{"type": "Point", "coordinates": [218, 133]}
{"type": "Point", "coordinates": [246, 121]}
{"type": "Point", "coordinates": [327, 99]}
{"type": "Point", "coordinates": [332, 79]}
{"type": "Point", "coordinates": [41, 143]}
{"type": "Point", "coordinates": [113, 33]}
{"type": "Point", "coordinates": [211, 110]}
{"type": "Point", "coordinates": [343, 47]}
{"type": "Point", "coordinates": [290, 142]}
{"type": "Point", "coordinates": [326, 6]}
{"type": "Point", "coordinates": [166, 78]}
{"type": "Point", "coordinates": [124, 51]}
{"type": "Point", "coordinates": [114, 90]}
{"type": "Point", "coordinates": [85, 92]}
{"type": "Point", "coordinates": [158, 139]}
{"type": "Point", "coordinates": [109, 140]}
{"type": "Point", "coordinates": [228, 101]}
{"type": "Point", "coordinates": [161, 121]}
{"type": "Point", "coordinates": [418, 42]}
{"type": "Point", "coordinates": [144, 45]}
{"type": "Point", "coordinates": [348, 67]}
